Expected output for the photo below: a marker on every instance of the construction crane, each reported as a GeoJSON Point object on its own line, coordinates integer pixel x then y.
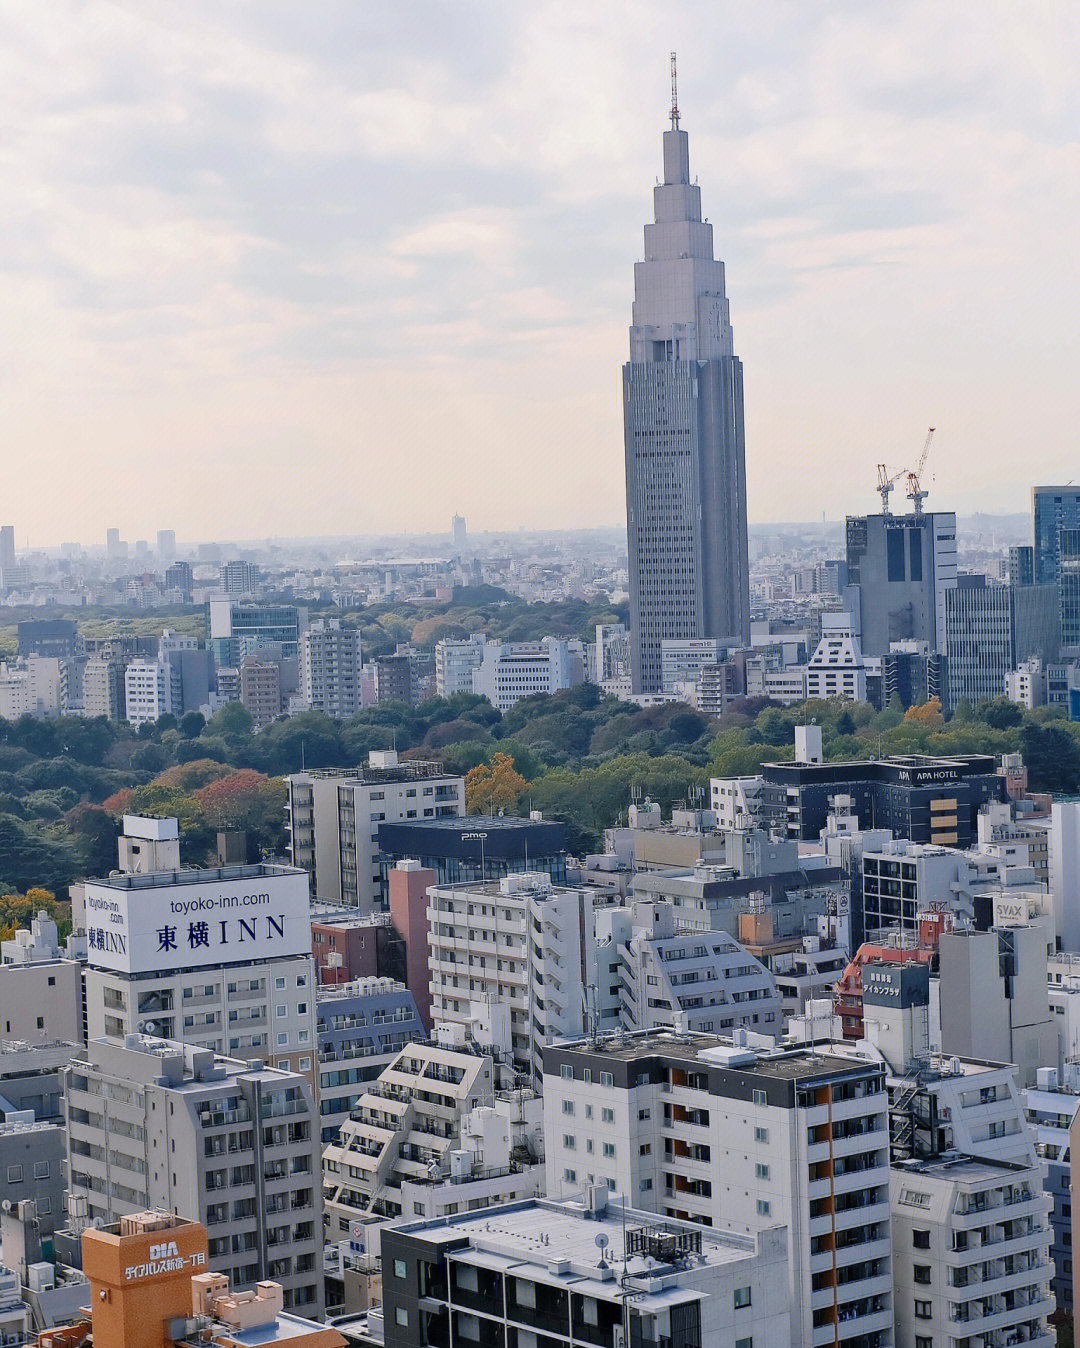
{"type": "Point", "coordinates": [915, 493]}
{"type": "Point", "coordinates": [885, 484]}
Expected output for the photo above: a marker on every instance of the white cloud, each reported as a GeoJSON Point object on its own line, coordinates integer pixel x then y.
{"type": "Point", "coordinates": [287, 238]}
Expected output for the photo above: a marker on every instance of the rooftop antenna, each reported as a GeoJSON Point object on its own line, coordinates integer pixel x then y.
{"type": "Point", "coordinates": [674, 96]}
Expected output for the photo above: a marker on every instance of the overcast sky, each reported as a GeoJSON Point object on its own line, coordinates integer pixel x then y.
{"type": "Point", "coordinates": [308, 267]}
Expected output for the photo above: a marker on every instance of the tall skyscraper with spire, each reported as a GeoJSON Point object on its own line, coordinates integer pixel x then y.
{"type": "Point", "coordinates": [683, 426]}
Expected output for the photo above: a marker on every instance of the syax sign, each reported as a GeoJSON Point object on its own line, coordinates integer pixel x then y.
{"type": "Point", "coordinates": [162, 928]}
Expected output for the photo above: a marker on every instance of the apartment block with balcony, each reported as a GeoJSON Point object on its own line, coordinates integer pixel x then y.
{"type": "Point", "coordinates": [157, 1124]}
{"type": "Point", "coordinates": [712, 1132]}
{"type": "Point", "coordinates": [521, 943]}
{"type": "Point", "coordinates": [334, 818]}
{"type": "Point", "coordinates": [435, 1135]}
{"type": "Point", "coordinates": [971, 1254]}
{"type": "Point", "coordinates": [361, 1027]}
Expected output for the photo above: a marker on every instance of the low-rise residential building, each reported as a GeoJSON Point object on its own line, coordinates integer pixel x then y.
{"type": "Point", "coordinates": [591, 1274]}
{"type": "Point", "coordinates": [436, 1134]}
{"type": "Point", "coordinates": [971, 1242]}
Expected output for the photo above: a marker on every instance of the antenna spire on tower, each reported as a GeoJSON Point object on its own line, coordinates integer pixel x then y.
{"type": "Point", "coordinates": [674, 96]}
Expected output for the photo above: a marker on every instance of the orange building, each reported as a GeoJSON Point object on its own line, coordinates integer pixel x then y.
{"type": "Point", "coordinates": [151, 1287]}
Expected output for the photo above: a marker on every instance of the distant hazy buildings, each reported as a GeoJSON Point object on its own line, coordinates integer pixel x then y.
{"type": "Point", "coordinates": [237, 629]}
{"type": "Point", "coordinates": [989, 630]}
{"type": "Point", "coordinates": [683, 421]}
{"type": "Point", "coordinates": [512, 670]}
{"type": "Point", "coordinates": [330, 669]}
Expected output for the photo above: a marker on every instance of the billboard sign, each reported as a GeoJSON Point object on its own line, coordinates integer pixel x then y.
{"type": "Point", "coordinates": [167, 927]}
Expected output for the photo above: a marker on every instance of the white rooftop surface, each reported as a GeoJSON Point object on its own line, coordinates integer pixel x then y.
{"type": "Point", "coordinates": [509, 1237]}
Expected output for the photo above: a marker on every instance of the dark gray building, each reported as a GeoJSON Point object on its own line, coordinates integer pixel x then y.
{"type": "Point", "coordinates": [1053, 509]}
{"type": "Point", "coordinates": [456, 847]}
{"type": "Point", "coordinates": [917, 796]}
{"type": "Point", "coordinates": [990, 629]}
{"type": "Point", "coordinates": [683, 428]}
{"type": "Point", "coordinates": [899, 569]}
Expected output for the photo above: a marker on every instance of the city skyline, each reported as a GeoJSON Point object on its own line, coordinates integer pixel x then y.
{"type": "Point", "coordinates": [269, 276]}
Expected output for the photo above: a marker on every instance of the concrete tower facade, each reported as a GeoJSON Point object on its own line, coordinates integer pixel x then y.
{"type": "Point", "coordinates": [683, 423]}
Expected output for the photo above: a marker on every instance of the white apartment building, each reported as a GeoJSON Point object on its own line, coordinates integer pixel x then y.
{"type": "Point", "coordinates": [971, 1264]}
{"type": "Point", "coordinates": [735, 801]}
{"type": "Point", "coordinates": [1026, 684]}
{"type": "Point", "coordinates": [34, 686]}
{"type": "Point", "coordinates": [435, 1135]}
{"type": "Point", "coordinates": [1052, 1106]}
{"type": "Point", "coordinates": [703, 981]}
{"type": "Point", "coordinates": [334, 817]}
{"type": "Point", "coordinates": [330, 669]}
{"type": "Point", "coordinates": [521, 944]}
{"type": "Point", "coordinates": [455, 662]}
{"type": "Point", "coordinates": [707, 1131]}
{"type": "Point", "coordinates": [219, 958]}
{"type": "Point", "coordinates": [681, 662]}
{"type": "Point", "coordinates": [837, 668]}
{"type": "Point", "coordinates": [154, 1124]}
{"type": "Point", "coordinates": [147, 690]}
{"type": "Point", "coordinates": [510, 671]}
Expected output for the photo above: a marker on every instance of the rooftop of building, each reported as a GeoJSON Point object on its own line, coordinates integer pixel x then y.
{"type": "Point", "coordinates": [545, 1241]}
{"type": "Point", "coordinates": [334, 915]}
{"type": "Point", "coordinates": [914, 762]}
{"type": "Point", "coordinates": [372, 986]}
{"type": "Point", "coordinates": [802, 1063]}
{"type": "Point", "coordinates": [971, 1170]}
{"type": "Point", "coordinates": [466, 823]}
{"type": "Point", "coordinates": [401, 770]}
{"type": "Point", "coordinates": [195, 876]}
{"type": "Point", "coordinates": [201, 1067]}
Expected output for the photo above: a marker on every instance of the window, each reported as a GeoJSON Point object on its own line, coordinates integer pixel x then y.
{"type": "Point", "coordinates": [645, 1149]}
{"type": "Point", "coordinates": [642, 1114]}
{"type": "Point", "coordinates": [569, 1141]}
{"type": "Point", "coordinates": [645, 1185]}
{"type": "Point", "coordinates": [41, 1170]}
{"type": "Point", "coordinates": [921, 1273]}
{"type": "Point", "coordinates": [14, 1174]}
{"type": "Point", "coordinates": [588, 1111]}
{"type": "Point", "coordinates": [568, 1106]}
{"type": "Point", "coordinates": [279, 982]}
{"type": "Point", "coordinates": [400, 1269]}
{"type": "Point", "coordinates": [305, 1065]}
{"type": "Point", "coordinates": [586, 1075]}
{"type": "Point", "coordinates": [759, 1098]}
{"type": "Point", "coordinates": [609, 1148]}
{"type": "Point", "coordinates": [567, 1073]}
{"type": "Point", "coordinates": [283, 1039]}
{"type": "Point", "coordinates": [764, 1207]}
{"type": "Point", "coordinates": [607, 1116]}
{"type": "Point", "coordinates": [607, 1079]}
{"type": "Point", "coordinates": [570, 1176]}
{"type": "Point", "coordinates": [920, 1239]}
{"type": "Point", "coordinates": [742, 1297]}
{"type": "Point", "coordinates": [924, 1310]}
{"type": "Point", "coordinates": [923, 1341]}
{"type": "Point", "coordinates": [401, 1317]}
{"type": "Point", "coordinates": [744, 1343]}
{"type": "Point", "coordinates": [761, 1135]}
{"type": "Point", "coordinates": [282, 1012]}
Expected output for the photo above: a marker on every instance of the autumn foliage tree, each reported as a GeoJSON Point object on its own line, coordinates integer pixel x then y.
{"type": "Point", "coordinates": [494, 786]}
{"type": "Point", "coordinates": [928, 715]}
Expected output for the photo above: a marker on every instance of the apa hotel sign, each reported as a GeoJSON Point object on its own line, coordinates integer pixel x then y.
{"type": "Point", "coordinates": [161, 928]}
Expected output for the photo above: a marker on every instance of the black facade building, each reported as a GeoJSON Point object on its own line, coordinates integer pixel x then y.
{"type": "Point", "coordinates": [926, 799]}
{"type": "Point", "coordinates": [465, 849]}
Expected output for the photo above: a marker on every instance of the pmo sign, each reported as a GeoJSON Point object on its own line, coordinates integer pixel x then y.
{"type": "Point", "coordinates": [163, 928]}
